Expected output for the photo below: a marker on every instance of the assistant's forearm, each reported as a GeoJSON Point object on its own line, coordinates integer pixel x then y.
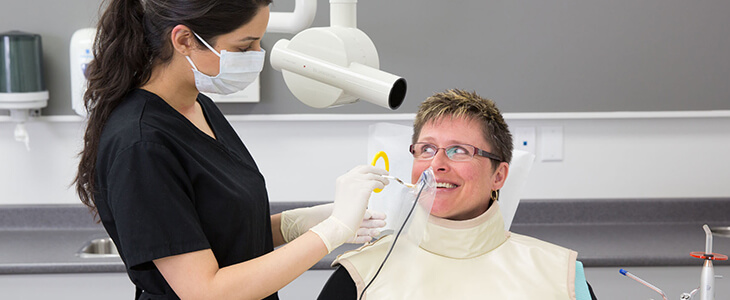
{"type": "Point", "coordinates": [195, 275]}
{"type": "Point", "coordinates": [260, 277]}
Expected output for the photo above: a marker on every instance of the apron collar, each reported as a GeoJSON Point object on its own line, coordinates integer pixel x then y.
{"type": "Point", "coordinates": [465, 239]}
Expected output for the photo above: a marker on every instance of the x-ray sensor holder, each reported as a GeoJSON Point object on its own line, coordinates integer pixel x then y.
{"type": "Point", "coordinates": [378, 156]}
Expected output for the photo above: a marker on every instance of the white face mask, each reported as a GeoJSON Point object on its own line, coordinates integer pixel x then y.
{"type": "Point", "coordinates": [237, 71]}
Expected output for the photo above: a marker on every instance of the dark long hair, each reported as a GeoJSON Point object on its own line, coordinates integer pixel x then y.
{"type": "Point", "coordinates": [131, 39]}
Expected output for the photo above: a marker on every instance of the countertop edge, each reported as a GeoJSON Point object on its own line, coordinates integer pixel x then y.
{"type": "Point", "coordinates": [536, 217]}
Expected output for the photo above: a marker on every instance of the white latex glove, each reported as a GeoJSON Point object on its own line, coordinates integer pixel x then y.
{"type": "Point", "coordinates": [352, 192]}
{"type": "Point", "coordinates": [296, 222]}
{"type": "Point", "coordinates": [371, 221]}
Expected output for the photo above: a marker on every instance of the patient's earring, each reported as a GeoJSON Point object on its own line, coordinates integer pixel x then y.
{"type": "Point", "coordinates": [495, 195]}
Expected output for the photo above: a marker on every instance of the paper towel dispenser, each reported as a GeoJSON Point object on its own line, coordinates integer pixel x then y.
{"type": "Point", "coordinates": [22, 86]}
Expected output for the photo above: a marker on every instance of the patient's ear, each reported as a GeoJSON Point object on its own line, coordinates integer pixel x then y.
{"type": "Point", "coordinates": [500, 176]}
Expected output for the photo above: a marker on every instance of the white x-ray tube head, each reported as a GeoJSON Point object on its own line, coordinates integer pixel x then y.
{"type": "Point", "coordinates": [332, 66]}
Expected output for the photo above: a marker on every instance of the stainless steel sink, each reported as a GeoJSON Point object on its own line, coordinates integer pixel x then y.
{"type": "Point", "coordinates": [99, 247]}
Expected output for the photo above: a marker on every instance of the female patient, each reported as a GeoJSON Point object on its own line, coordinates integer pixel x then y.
{"type": "Point", "coordinates": [468, 254]}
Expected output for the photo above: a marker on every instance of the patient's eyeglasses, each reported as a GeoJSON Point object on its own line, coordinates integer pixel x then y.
{"type": "Point", "coordinates": [456, 152]}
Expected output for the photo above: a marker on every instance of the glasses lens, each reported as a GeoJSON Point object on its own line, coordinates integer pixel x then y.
{"type": "Point", "coordinates": [460, 152]}
{"type": "Point", "coordinates": [423, 150]}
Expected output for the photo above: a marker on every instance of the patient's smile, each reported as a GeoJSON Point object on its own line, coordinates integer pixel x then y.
{"type": "Point", "coordinates": [446, 185]}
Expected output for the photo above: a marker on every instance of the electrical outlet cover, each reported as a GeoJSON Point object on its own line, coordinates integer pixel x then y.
{"type": "Point", "coordinates": [524, 139]}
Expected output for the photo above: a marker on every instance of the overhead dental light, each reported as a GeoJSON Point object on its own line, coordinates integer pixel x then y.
{"type": "Point", "coordinates": [336, 65]}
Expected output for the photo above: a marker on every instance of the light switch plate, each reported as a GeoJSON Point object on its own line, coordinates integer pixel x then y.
{"type": "Point", "coordinates": [551, 143]}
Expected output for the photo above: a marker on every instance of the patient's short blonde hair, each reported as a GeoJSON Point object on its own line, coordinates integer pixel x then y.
{"type": "Point", "coordinates": [457, 103]}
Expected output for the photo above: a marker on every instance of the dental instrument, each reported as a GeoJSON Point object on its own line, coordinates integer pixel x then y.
{"type": "Point", "coordinates": [408, 185]}
{"type": "Point", "coordinates": [707, 277]}
{"type": "Point", "coordinates": [649, 285]}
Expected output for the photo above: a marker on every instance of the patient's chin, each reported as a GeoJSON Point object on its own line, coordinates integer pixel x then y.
{"type": "Point", "coordinates": [441, 209]}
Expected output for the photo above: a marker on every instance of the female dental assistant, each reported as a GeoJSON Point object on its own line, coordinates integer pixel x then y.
{"type": "Point", "coordinates": [171, 181]}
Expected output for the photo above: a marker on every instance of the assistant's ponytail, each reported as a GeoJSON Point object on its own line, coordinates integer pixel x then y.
{"type": "Point", "coordinates": [120, 64]}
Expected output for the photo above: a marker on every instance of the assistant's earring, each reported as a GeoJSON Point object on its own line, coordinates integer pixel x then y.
{"type": "Point", "coordinates": [495, 195]}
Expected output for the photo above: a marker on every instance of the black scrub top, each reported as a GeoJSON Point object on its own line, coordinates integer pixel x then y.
{"type": "Point", "coordinates": [163, 188]}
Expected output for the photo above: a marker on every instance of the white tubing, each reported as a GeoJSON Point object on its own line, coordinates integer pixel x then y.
{"type": "Point", "coordinates": [708, 239]}
{"type": "Point", "coordinates": [343, 13]}
{"type": "Point", "coordinates": [296, 21]}
{"type": "Point", "coordinates": [358, 80]}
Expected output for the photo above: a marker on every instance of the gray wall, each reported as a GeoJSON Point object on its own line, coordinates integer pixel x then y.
{"type": "Point", "coordinates": [528, 56]}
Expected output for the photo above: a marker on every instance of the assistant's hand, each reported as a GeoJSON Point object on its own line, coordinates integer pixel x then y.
{"type": "Point", "coordinates": [296, 222]}
{"type": "Point", "coordinates": [369, 228]}
{"type": "Point", "coordinates": [352, 192]}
